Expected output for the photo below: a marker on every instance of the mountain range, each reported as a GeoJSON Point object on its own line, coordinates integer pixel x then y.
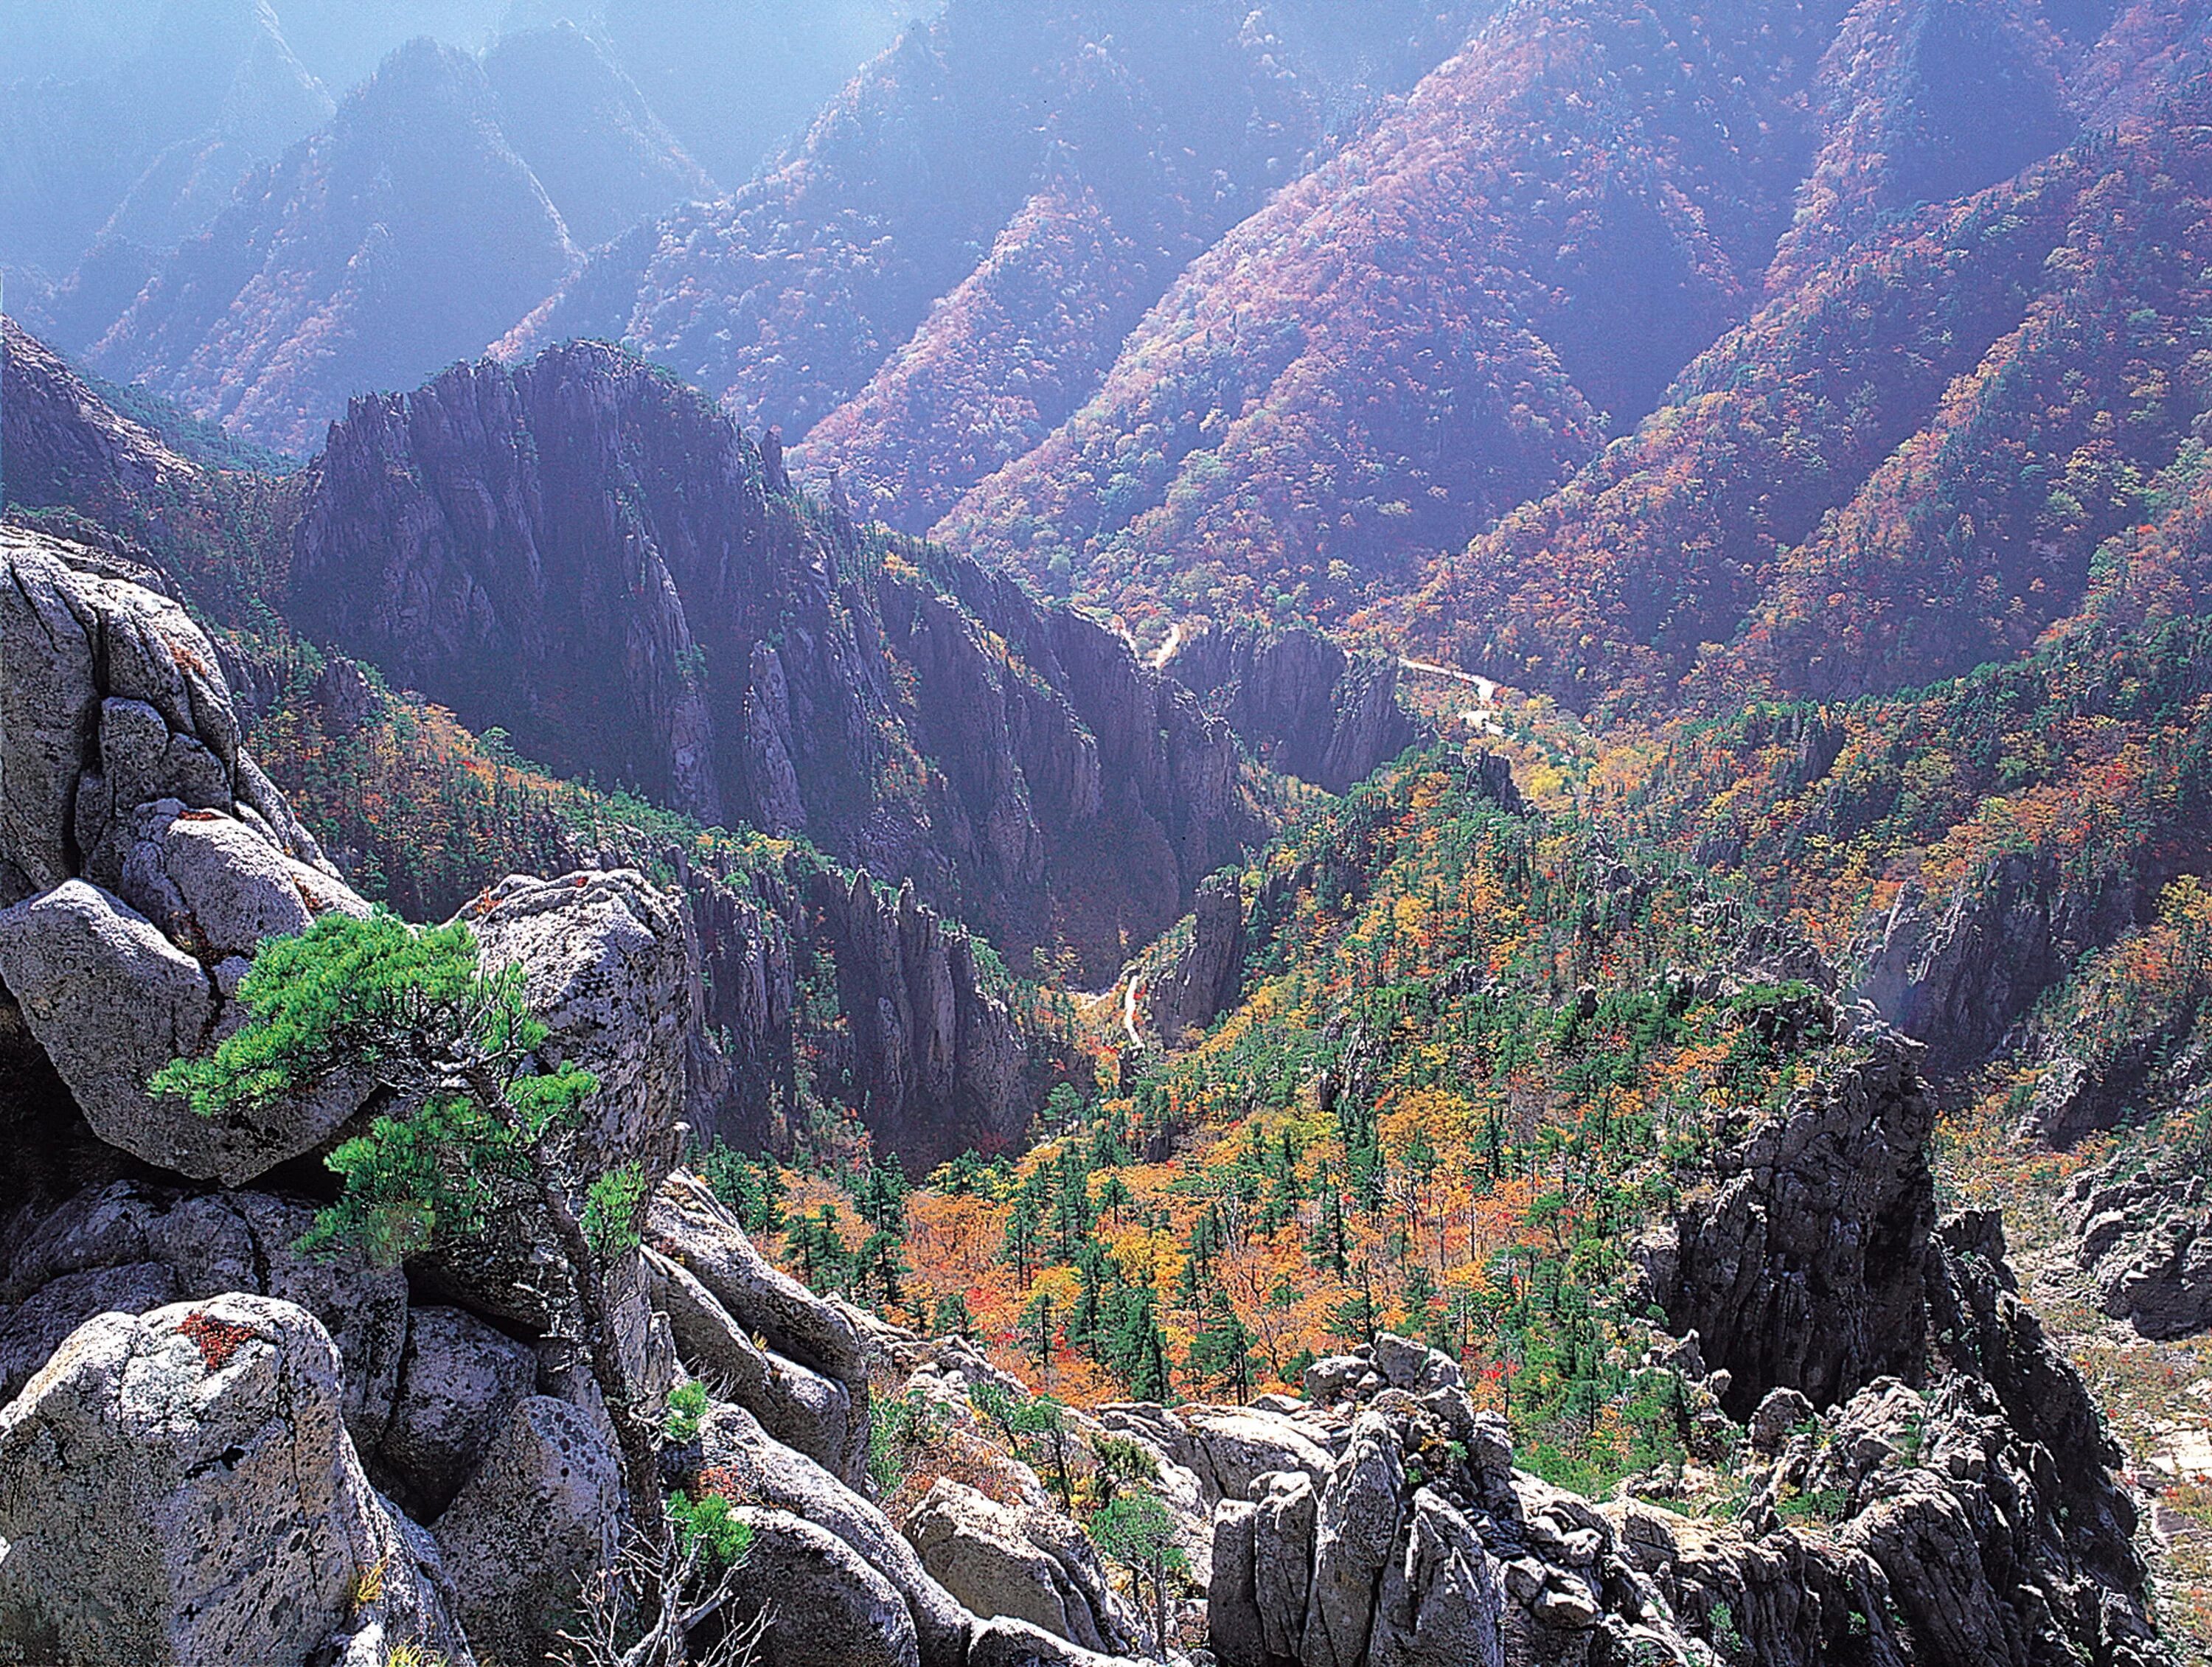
{"type": "Point", "coordinates": [1345, 834]}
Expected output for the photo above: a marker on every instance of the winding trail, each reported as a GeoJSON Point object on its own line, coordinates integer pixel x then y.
{"type": "Point", "coordinates": [1486, 686]}
{"type": "Point", "coordinates": [1480, 717]}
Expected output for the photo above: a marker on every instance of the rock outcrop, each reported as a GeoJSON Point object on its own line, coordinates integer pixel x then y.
{"type": "Point", "coordinates": [61, 444]}
{"type": "Point", "coordinates": [531, 1525]}
{"type": "Point", "coordinates": [1031, 1564]}
{"type": "Point", "coordinates": [589, 554]}
{"type": "Point", "coordinates": [1301, 703]}
{"type": "Point", "coordinates": [2147, 1241]}
{"type": "Point", "coordinates": [1205, 972]}
{"type": "Point", "coordinates": [739, 1460]}
{"type": "Point", "coordinates": [180, 1490]}
{"type": "Point", "coordinates": [826, 1605]}
{"type": "Point", "coordinates": [143, 856]}
{"type": "Point", "coordinates": [785, 1441]}
{"type": "Point", "coordinates": [606, 966]}
{"type": "Point", "coordinates": [459, 1380]}
{"type": "Point", "coordinates": [1958, 973]}
{"type": "Point", "coordinates": [1796, 1260]}
{"type": "Point", "coordinates": [1812, 1268]}
{"type": "Point", "coordinates": [1905, 1525]}
{"type": "Point", "coordinates": [742, 1313]}
{"type": "Point", "coordinates": [132, 1247]}
{"type": "Point", "coordinates": [1929, 1479]}
{"type": "Point", "coordinates": [934, 1047]}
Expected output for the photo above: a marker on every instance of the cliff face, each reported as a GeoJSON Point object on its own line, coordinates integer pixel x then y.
{"type": "Point", "coordinates": [1297, 700]}
{"type": "Point", "coordinates": [1798, 1262]}
{"type": "Point", "coordinates": [1961, 977]}
{"type": "Point", "coordinates": [594, 558]}
{"type": "Point", "coordinates": [934, 1053]}
{"type": "Point", "coordinates": [61, 444]}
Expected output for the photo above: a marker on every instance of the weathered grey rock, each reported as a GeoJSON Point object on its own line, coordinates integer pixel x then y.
{"type": "Point", "coordinates": [180, 1488]}
{"type": "Point", "coordinates": [1006, 1641]}
{"type": "Point", "coordinates": [1793, 1600]}
{"type": "Point", "coordinates": [216, 886]}
{"type": "Point", "coordinates": [1119, 1624]}
{"type": "Point", "coordinates": [1442, 1600]}
{"type": "Point", "coordinates": [607, 967]}
{"type": "Point", "coordinates": [741, 1461]}
{"type": "Point", "coordinates": [2146, 1242]}
{"type": "Point", "coordinates": [606, 963]}
{"type": "Point", "coordinates": [459, 1381]}
{"type": "Point", "coordinates": [937, 1054]}
{"type": "Point", "coordinates": [1957, 972]}
{"type": "Point", "coordinates": [2027, 1462]}
{"type": "Point", "coordinates": [688, 1224]}
{"type": "Point", "coordinates": [1233, 1629]}
{"type": "Point", "coordinates": [1354, 1530]}
{"type": "Point", "coordinates": [1231, 1448]}
{"type": "Point", "coordinates": [142, 856]}
{"type": "Point", "coordinates": [801, 1408]}
{"type": "Point", "coordinates": [104, 680]}
{"type": "Point", "coordinates": [1205, 975]}
{"type": "Point", "coordinates": [827, 1606]}
{"type": "Point", "coordinates": [112, 1002]}
{"type": "Point", "coordinates": [207, 1244]}
{"type": "Point", "coordinates": [1782, 1412]}
{"type": "Point", "coordinates": [1334, 1377]}
{"type": "Point", "coordinates": [1408, 1365]}
{"type": "Point", "coordinates": [1282, 1559]}
{"type": "Point", "coordinates": [1010, 1560]}
{"type": "Point", "coordinates": [1298, 700]}
{"type": "Point", "coordinates": [530, 1527]}
{"type": "Point", "coordinates": [31, 1332]}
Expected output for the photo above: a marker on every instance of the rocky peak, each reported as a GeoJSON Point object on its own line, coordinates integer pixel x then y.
{"type": "Point", "coordinates": [1797, 1257]}
{"type": "Point", "coordinates": [287, 304]}
{"type": "Point", "coordinates": [60, 443]}
{"type": "Point", "coordinates": [586, 554]}
{"type": "Point", "coordinates": [586, 130]}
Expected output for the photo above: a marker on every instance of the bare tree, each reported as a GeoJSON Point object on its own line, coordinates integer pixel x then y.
{"type": "Point", "coordinates": [663, 1589]}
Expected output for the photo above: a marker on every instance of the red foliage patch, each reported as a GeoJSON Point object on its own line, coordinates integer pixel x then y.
{"type": "Point", "coordinates": [216, 1339]}
{"type": "Point", "coordinates": [723, 1480]}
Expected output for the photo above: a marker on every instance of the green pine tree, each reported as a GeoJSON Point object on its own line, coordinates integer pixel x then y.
{"type": "Point", "coordinates": [476, 1133]}
{"type": "Point", "coordinates": [1221, 1351]}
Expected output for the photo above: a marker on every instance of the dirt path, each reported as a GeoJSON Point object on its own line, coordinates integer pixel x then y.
{"type": "Point", "coordinates": [1487, 687]}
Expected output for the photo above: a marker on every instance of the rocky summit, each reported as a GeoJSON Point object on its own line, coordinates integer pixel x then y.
{"type": "Point", "coordinates": [1106, 833]}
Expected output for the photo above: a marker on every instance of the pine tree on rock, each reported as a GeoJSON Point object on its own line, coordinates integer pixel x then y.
{"type": "Point", "coordinates": [479, 1132]}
